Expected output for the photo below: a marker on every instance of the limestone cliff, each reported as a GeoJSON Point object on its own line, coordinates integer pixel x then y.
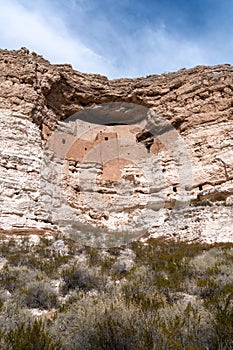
{"type": "Point", "coordinates": [198, 103]}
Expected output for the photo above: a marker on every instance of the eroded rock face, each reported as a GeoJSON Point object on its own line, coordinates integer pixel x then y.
{"type": "Point", "coordinates": [20, 166]}
{"type": "Point", "coordinates": [35, 95]}
{"type": "Point", "coordinates": [47, 93]}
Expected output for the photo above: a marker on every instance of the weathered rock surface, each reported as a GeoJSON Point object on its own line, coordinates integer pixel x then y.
{"type": "Point", "coordinates": [20, 165]}
{"type": "Point", "coordinates": [35, 95]}
{"type": "Point", "coordinates": [45, 92]}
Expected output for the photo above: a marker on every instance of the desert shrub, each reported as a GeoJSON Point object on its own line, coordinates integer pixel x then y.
{"type": "Point", "coordinates": [208, 259]}
{"type": "Point", "coordinates": [4, 296]}
{"type": "Point", "coordinates": [186, 326]}
{"type": "Point", "coordinates": [48, 263]}
{"type": "Point", "coordinates": [220, 305]}
{"type": "Point", "coordinates": [105, 322]}
{"type": "Point", "coordinates": [38, 294]}
{"type": "Point", "coordinates": [12, 314]}
{"type": "Point", "coordinates": [7, 246]}
{"type": "Point", "coordinates": [225, 274]}
{"type": "Point", "coordinates": [132, 297]}
{"type": "Point", "coordinates": [211, 270]}
{"type": "Point", "coordinates": [124, 328]}
{"type": "Point", "coordinates": [136, 328]}
{"type": "Point", "coordinates": [76, 325]}
{"type": "Point", "coordinates": [123, 263]}
{"type": "Point", "coordinates": [81, 278]}
{"type": "Point", "coordinates": [45, 261]}
{"type": "Point", "coordinates": [207, 287]}
{"type": "Point", "coordinates": [13, 278]}
{"type": "Point", "coordinates": [139, 288]}
{"type": "Point", "coordinates": [167, 266]}
{"type": "Point", "coordinates": [41, 256]}
{"type": "Point", "coordinates": [94, 255]}
{"type": "Point", "coordinates": [100, 323]}
{"type": "Point", "coordinates": [102, 259]}
{"type": "Point", "coordinates": [32, 336]}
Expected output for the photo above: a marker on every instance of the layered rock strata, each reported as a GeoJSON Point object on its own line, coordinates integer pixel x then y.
{"type": "Point", "coordinates": [20, 167]}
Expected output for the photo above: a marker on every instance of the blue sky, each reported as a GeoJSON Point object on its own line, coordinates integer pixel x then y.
{"type": "Point", "coordinates": [119, 38]}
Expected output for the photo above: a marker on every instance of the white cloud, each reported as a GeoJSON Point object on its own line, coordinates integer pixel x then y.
{"type": "Point", "coordinates": [171, 52]}
{"type": "Point", "coordinates": [46, 35]}
{"type": "Point", "coordinates": [153, 51]}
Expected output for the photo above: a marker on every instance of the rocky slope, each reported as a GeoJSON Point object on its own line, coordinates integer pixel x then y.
{"type": "Point", "coordinates": [195, 105]}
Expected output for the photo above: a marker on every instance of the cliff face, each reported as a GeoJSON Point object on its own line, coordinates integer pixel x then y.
{"type": "Point", "coordinates": [45, 92]}
{"type": "Point", "coordinates": [197, 106]}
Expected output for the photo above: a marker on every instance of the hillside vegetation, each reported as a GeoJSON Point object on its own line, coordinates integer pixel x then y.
{"type": "Point", "coordinates": [57, 294]}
